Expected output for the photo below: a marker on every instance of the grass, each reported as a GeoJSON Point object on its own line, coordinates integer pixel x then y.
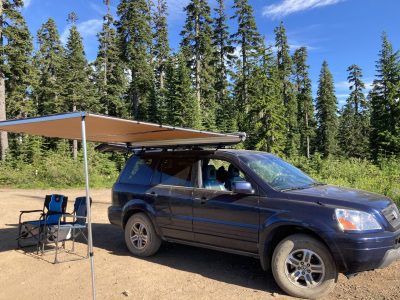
{"type": "Point", "coordinates": [382, 177]}
{"type": "Point", "coordinates": [58, 170]}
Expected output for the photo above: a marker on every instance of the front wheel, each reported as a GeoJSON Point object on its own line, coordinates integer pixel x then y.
{"type": "Point", "coordinates": [303, 267]}
{"type": "Point", "coordinates": [140, 236]}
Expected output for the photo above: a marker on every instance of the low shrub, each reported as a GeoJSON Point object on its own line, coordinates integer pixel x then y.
{"type": "Point", "coordinates": [382, 177]}
{"type": "Point", "coordinates": [57, 169]}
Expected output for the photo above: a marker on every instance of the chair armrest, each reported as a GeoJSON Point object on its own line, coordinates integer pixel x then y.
{"type": "Point", "coordinates": [27, 212]}
{"type": "Point", "coordinates": [73, 216]}
{"type": "Point", "coordinates": [30, 211]}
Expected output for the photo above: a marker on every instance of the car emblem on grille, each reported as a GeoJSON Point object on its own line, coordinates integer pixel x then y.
{"type": "Point", "coordinates": [394, 215]}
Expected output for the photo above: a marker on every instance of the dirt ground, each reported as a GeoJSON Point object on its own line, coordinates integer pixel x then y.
{"type": "Point", "coordinates": [176, 272]}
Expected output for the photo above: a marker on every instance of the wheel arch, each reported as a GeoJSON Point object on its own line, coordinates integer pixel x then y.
{"type": "Point", "coordinates": [138, 206]}
{"type": "Point", "coordinates": [277, 234]}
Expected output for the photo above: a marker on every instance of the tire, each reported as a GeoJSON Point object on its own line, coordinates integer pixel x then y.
{"type": "Point", "coordinates": [303, 267]}
{"type": "Point", "coordinates": [140, 236]}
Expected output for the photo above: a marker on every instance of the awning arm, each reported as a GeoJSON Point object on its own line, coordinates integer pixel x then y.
{"type": "Point", "coordinates": [88, 206]}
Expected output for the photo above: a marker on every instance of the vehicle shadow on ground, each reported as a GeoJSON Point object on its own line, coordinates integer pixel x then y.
{"type": "Point", "coordinates": [224, 267]}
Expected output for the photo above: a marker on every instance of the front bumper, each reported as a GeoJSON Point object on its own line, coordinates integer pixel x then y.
{"type": "Point", "coordinates": [355, 253]}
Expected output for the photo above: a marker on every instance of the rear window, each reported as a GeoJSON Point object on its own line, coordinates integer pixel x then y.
{"type": "Point", "coordinates": [176, 172]}
{"type": "Point", "coordinates": [138, 171]}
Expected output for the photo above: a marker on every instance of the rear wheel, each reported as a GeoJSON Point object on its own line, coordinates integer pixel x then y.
{"type": "Point", "coordinates": [140, 236]}
{"type": "Point", "coordinates": [303, 267]}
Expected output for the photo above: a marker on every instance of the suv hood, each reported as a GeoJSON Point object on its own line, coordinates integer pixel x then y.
{"type": "Point", "coordinates": [329, 194]}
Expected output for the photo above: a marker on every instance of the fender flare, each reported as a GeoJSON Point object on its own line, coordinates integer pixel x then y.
{"type": "Point", "coordinates": [138, 205]}
{"type": "Point", "coordinates": [270, 228]}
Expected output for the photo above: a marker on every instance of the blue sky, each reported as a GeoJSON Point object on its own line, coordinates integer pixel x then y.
{"type": "Point", "coordinates": [343, 32]}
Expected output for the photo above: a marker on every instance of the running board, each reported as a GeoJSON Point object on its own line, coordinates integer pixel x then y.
{"type": "Point", "coordinates": [216, 248]}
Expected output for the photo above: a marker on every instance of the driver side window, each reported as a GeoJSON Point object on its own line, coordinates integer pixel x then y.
{"type": "Point", "coordinates": [219, 174]}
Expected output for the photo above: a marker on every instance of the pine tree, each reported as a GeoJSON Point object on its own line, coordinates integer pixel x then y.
{"type": "Point", "coordinates": [161, 54]}
{"type": "Point", "coordinates": [354, 119]}
{"type": "Point", "coordinates": [78, 92]}
{"type": "Point", "coordinates": [16, 70]}
{"type": "Point", "coordinates": [222, 61]}
{"type": "Point", "coordinates": [134, 30]}
{"type": "Point", "coordinates": [181, 104]}
{"type": "Point", "coordinates": [250, 44]}
{"type": "Point", "coordinates": [49, 63]}
{"type": "Point", "coordinates": [326, 107]}
{"type": "Point", "coordinates": [196, 45]}
{"type": "Point", "coordinates": [265, 117]}
{"type": "Point", "coordinates": [288, 96]}
{"type": "Point", "coordinates": [305, 107]}
{"type": "Point", "coordinates": [385, 104]}
{"type": "Point", "coordinates": [110, 80]}
{"type": "Point", "coordinates": [3, 134]}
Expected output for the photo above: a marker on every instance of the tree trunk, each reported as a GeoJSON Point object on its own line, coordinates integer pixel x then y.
{"type": "Point", "coordinates": [244, 71]}
{"type": "Point", "coordinates": [308, 137]}
{"type": "Point", "coordinates": [75, 142]}
{"type": "Point", "coordinates": [105, 85]}
{"type": "Point", "coordinates": [198, 66]}
{"type": "Point", "coordinates": [162, 75]}
{"type": "Point", "coordinates": [3, 134]}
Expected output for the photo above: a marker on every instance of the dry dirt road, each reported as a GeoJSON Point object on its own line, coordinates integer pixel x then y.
{"type": "Point", "coordinates": [176, 272]}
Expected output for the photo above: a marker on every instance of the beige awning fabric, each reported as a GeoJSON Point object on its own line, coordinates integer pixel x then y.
{"type": "Point", "coordinates": [107, 129]}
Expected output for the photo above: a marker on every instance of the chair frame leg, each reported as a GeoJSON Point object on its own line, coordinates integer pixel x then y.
{"type": "Point", "coordinates": [73, 239]}
{"type": "Point", "coordinates": [55, 258]}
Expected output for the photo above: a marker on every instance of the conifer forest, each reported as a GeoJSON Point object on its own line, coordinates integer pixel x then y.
{"type": "Point", "coordinates": [221, 78]}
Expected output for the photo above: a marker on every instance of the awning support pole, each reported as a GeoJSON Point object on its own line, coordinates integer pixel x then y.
{"type": "Point", "coordinates": [89, 209]}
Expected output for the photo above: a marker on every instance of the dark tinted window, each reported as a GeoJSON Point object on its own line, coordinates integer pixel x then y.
{"type": "Point", "coordinates": [176, 172]}
{"type": "Point", "coordinates": [138, 171]}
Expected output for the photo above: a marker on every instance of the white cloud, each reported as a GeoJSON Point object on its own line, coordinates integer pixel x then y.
{"type": "Point", "coordinates": [287, 7]}
{"type": "Point", "coordinates": [175, 9]}
{"type": "Point", "coordinates": [27, 3]}
{"type": "Point", "coordinates": [101, 10]}
{"type": "Point", "coordinates": [344, 85]}
{"type": "Point", "coordinates": [344, 92]}
{"type": "Point", "coordinates": [86, 29]}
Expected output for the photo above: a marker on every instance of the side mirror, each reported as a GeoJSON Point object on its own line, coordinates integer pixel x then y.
{"type": "Point", "coordinates": [242, 187]}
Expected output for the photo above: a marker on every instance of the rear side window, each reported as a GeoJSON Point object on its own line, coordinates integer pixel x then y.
{"type": "Point", "coordinates": [176, 172]}
{"type": "Point", "coordinates": [138, 171]}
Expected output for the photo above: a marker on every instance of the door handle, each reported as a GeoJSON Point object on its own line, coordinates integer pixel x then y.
{"type": "Point", "coordinates": [151, 194]}
{"type": "Point", "coordinates": [202, 200]}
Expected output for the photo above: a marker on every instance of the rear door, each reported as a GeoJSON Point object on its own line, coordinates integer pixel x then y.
{"type": "Point", "coordinates": [174, 185]}
{"type": "Point", "coordinates": [220, 216]}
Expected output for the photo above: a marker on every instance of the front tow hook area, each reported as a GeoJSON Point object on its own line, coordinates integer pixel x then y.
{"type": "Point", "coordinates": [390, 256]}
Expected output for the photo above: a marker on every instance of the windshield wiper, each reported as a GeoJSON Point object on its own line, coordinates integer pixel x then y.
{"type": "Point", "coordinates": [303, 187]}
{"type": "Point", "coordinates": [296, 188]}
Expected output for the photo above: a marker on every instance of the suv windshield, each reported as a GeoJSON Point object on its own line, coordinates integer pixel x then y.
{"type": "Point", "coordinates": [277, 173]}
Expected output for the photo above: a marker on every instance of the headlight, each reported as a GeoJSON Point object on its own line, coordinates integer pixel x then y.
{"type": "Point", "coordinates": [355, 220]}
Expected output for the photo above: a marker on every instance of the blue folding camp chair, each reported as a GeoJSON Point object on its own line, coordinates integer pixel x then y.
{"type": "Point", "coordinates": [53, 208]}
{"type": "Point", "coordinates": [64, 231]}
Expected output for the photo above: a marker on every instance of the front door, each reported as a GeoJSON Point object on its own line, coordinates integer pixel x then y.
{"type": "Point", "coordinates": [220, 216]}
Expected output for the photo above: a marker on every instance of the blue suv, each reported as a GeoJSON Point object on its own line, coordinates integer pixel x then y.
{"type": "Point", "coordinates": [255, 204]}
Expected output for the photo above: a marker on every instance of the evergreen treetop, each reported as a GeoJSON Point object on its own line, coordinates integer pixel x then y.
{"type": "Point", "coordinates": [326, 113]}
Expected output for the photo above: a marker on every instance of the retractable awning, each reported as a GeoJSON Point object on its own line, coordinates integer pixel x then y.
{"type": "Point", "coordinates": [107, 129]}
{"type": "Point", "coordinates": [97, 128]}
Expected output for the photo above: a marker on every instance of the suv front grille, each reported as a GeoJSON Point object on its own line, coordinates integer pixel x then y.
{"type": "Point", "coordinates": [392, 215]}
